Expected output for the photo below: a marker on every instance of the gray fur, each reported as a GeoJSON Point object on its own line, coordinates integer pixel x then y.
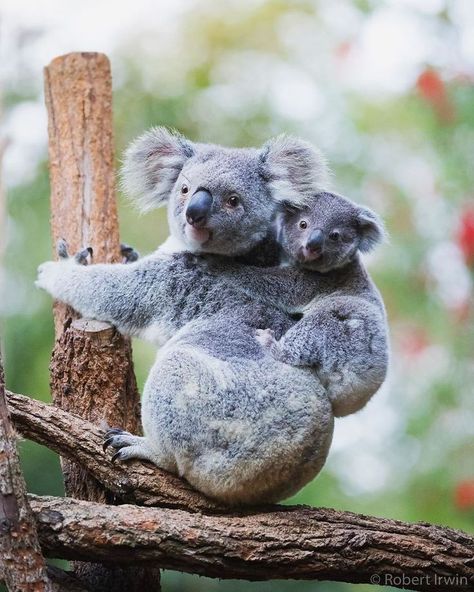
{"type": "Point", "coordinates": [218, 408]}
{"type": "Point", "coordinates": [343, 332]}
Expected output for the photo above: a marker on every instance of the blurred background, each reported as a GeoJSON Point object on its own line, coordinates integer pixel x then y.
{"type": "Point", "coordinates": [386, 89]}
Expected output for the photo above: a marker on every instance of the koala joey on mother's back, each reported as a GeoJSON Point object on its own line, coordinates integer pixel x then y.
{"type": "Point", "coordinates": [343, 332]}
{"type": "Point", "coordinates": [218, 408]}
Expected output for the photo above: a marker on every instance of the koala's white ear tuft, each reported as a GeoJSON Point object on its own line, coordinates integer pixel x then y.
{"type": "Point", "coordinates": [152, 164]}
{"type": "Point", "coordinates": [294, 169]}
{"type": "Point", "coordinates": [371, 229]}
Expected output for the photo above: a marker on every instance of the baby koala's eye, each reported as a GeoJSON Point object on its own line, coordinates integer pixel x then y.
{"type": "Point", "coordinates": [233, 200]}
{"type": "Point", "coordinates": [303, 224]}
{"type": "Point", "coordinates": [184, 189]}
{"type": "Point", "coordinates": [335, 235]}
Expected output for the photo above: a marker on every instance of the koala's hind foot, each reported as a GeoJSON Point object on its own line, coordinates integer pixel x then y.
{"type": "Point", "coordinates": [127, 446]}
{"type": "Point", "coordinates": [128, 253]}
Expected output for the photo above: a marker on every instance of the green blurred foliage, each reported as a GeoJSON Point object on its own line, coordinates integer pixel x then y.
{"type": "Point", "coordinates": [408, 155]}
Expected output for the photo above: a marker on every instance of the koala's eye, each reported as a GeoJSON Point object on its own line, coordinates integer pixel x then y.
{"type": "Point", "coordinates": [184, 189]}
{"type": "Point", "coordinates": [335, 235]}
{"type": "Point", "coordinates": [303, 224]}
{"type": "Point", "coordinates": [233, 200]}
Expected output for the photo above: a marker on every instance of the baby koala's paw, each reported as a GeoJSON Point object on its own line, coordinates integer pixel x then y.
{"type": "Point", "coordinates": [129, 254]}
{"type": "Point", "coordinates": [266, 338]}
{"type": "Point", "coordinates": [126, 445]}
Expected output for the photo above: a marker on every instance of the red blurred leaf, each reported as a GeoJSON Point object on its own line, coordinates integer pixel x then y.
{"type": "Point", "coordinates": [465, 234]}
{"type": "Point", "coordinates": [433, 89]}
{"type": "Point", "coordinates": [464, 495]}
{"type": "Point", "coordinates": [430, 85]}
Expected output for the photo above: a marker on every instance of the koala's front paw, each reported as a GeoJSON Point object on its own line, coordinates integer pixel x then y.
{"type": "Point", "coordinates": [82, 257]}
{"type": "Point", "coordinates": [49, 276]}
{"type": "Point", "coordinates": [128, 253]}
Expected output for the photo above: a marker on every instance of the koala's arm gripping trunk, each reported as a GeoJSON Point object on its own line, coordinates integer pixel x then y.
{"type": "Point", "coordinates": [129, 296]}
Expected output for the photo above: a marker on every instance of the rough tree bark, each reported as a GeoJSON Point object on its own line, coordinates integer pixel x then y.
{"type": "Point", "coordinates": [292, 542]}
{"type": "Point", "coordinates": [91, 368]}
{"type": "Point", "coordinates": [22, 565]}
{"type": "Point", "coordinates": [194, 534]}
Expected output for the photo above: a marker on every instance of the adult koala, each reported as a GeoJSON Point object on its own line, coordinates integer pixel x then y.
{"type": "Point", "coordinates": [218, 409]}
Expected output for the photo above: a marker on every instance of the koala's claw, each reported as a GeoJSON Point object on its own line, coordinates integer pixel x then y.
{"type": "Point", "coordinates": [82, 258]}
{"type": "Point", "coordinates": [61, 249]}
{"type": "Point", "coordinates": [107, 443]}
{"type": "Point", "coordinates": [128, 253]}
{"type": "Point", "coordinates": [116, 456]}
{"type": "Point", "coordinates": [110, 436]}
{"type": "Point", "coordinates": [126, 445]}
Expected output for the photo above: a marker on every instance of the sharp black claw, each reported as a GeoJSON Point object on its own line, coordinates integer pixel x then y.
{"type": "Point", "coordinates": [129, 253]}
{"type": "Point", "coordinates": [82, 256]}
{"type": "Point", "coordinates": [113, 431]}
{"type": "Point", "coordinates": [115, 456]}
{"type": "Point", "coordinates": [106, 444]}
{"type": "Point", "coordinates": [61, 249]}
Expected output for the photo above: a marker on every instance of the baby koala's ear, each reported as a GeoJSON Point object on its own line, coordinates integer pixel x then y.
{"type": "Point", "coordinates": [371, 229]}
{"type": "Point", "coordinates": [294, 169]}
{"type": "Point", "coordinates": [152, 164]}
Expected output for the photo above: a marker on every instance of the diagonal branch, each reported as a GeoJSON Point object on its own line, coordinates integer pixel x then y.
{"type": "Point", "coordinates": [285, 543]}
{"type": "Point", "coordinates": [81, 441]}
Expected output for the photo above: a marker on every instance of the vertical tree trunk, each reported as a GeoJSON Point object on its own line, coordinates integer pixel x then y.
{"type": "Point", "coordinates": [91, 368]}
{"type": "Point", "coordinates": [22, 565]}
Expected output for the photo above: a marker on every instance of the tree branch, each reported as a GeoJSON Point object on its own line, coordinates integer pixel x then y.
{"type": "Point", "coordinates": [288, 543]}
{"type": "Point", "coordinates": [81, 441]}
{"type": "Point", "coordinates": [265, 543]}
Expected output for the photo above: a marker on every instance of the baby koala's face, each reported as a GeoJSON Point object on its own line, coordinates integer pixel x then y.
{"type": "Point", "coordinates": [328, 234]}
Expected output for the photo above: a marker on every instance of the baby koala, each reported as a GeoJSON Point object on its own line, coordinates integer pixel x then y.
{"type": "Point", "coordinates": [342, 332]}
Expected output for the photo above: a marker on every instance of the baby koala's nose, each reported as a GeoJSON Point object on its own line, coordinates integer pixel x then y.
{"type": "Point", "coordinates": [199, 208]}
{"type": "Point", "coordinates": [316, 241]}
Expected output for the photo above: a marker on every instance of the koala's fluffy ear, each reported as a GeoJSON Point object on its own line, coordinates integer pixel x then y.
{"type": "Point", "coordinates": [152, 164]}
{"type": "Point", "coordinates": [294, 169]}
{"type": "Point", "coordinates": [371, 229]}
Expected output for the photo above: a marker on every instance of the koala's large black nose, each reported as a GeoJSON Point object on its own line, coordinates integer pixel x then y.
{"type": "Point", "coordinates": [199, 208]}
{"type": "Point", "coordinates": [316, 241]}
